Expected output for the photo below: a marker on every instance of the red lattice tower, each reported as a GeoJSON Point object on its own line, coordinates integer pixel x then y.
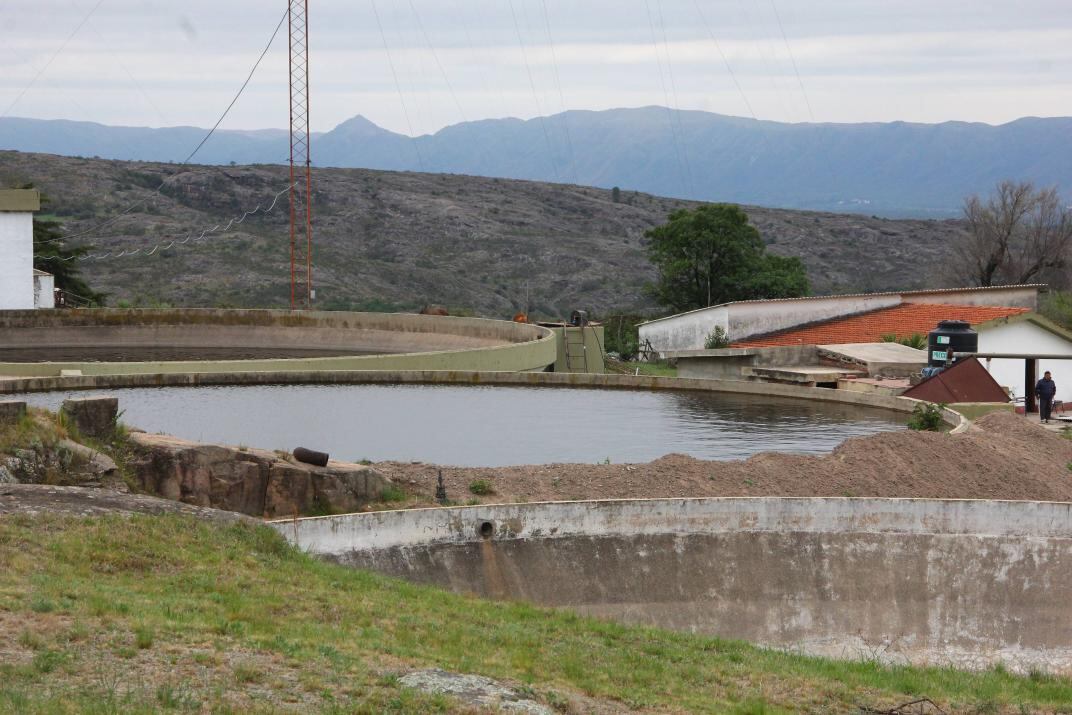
{"type": "Point", "coordinates": [301, 180]}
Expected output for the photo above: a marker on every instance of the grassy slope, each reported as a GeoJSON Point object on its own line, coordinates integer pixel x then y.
{"type": "Point", "coordinates": [147, 613]}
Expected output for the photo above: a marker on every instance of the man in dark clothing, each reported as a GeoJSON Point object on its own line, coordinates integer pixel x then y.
{"type": "Point", "coordinates": [1044, 391]}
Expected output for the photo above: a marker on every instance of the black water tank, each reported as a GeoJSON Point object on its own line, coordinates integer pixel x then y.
{"type": "Point", "coordinates": [951, 336]}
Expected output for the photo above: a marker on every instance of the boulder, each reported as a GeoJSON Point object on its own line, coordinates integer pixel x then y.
{"type": "Point", "coordinates": [92, 416]}
{"type": "Point", "coordinates": [250, 481]}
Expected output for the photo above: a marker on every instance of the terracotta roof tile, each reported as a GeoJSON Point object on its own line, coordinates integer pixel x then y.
{"type": "Point", "coordinates": [901, 320]}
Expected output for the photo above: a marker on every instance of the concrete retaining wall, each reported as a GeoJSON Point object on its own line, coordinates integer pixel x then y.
{"type": "Point", "coordinates": [967, 583]}
{"type": "Point", "coordinates": [413, 342]}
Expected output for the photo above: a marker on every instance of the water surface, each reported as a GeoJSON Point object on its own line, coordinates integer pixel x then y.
{"type": "Point", "coordinates": [493, 426]}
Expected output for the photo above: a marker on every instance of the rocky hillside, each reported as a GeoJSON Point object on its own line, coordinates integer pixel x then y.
{"type": "Point", "coordinates": [397, 240]}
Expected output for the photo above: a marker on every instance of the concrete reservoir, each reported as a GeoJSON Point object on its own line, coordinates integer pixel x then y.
{"type": "Point", "coordinates": [963, 583]}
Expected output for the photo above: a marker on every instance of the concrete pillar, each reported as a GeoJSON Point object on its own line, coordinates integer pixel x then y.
{"type": "Point", "coordinates": [16, 248]}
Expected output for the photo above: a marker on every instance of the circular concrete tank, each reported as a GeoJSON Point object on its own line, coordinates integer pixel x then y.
{"type": "Point", "coordinates": [186, 341]}
{"type": "Point", "coordinates": [963, 583]}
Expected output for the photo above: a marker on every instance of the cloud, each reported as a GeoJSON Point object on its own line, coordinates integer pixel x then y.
{"type": "Point", "coordinates": [157, 62]}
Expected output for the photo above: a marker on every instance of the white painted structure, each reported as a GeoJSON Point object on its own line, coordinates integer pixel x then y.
{"type": "Point", "coordinates": [16, 248]}
{"type": "Point", "coordinates": [1028, 334]}
{"type": "Point", "coordinates": [744, 319]}
{"type": "Point", "coordinates": [44, 285]}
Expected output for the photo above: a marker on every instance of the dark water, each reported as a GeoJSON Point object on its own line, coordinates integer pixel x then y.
{"type": "Point", "coordinates": [493, 426]}
{"type": "Point", "coordinates": [155, 354]}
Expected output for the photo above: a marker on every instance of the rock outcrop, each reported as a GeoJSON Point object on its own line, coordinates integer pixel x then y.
{"type": "Point", "coordinates": [92, 416]}
{"type": "Point", "coordinates": [250, 481]}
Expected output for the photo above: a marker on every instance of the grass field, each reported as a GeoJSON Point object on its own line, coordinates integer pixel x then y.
{"type": "Point", "coordinates": [144, 614]}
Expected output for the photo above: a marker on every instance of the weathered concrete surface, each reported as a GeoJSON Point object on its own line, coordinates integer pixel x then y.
{"type": "Point", "coordinates": [422, 342]}
{"type": "Point", "coordinates": [92, 416]}
{"type": "Point", "coordinates": [250, 481]}
{"type": "Point", "coordinates": [967, 583]}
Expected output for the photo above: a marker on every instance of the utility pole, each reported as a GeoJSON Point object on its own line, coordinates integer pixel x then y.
{"type": "Point", "coordinates": [301, 180]}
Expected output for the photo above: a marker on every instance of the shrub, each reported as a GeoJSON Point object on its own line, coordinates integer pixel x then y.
{"type": "Point", "coordinates": [481, 487]}
{"type": "Point", "coordinates": [716, 339]}
{"type": "Point", "coordinates": [926, 417]}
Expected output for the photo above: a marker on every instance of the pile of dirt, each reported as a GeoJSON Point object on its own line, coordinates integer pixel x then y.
{"type": "Point", "coordinates": [1003, 456]}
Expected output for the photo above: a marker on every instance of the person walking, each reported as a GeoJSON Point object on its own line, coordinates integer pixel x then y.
{"type": "Point", "coordinates": [1044, 391]}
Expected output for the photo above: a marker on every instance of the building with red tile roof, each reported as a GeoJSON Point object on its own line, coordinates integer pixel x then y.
{"type": "Point", "coordinates": [872, 326]}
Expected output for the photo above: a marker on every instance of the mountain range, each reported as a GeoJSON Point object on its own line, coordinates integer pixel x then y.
{"type": "Point", "coordinates": [886, 169]}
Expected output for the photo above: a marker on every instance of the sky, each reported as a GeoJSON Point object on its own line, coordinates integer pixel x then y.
{"type": "Point", "coordinates": [415, 66]}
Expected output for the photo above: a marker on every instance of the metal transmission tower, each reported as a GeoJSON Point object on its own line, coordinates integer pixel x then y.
{"type": "Point", "coordinates": [301, 180]}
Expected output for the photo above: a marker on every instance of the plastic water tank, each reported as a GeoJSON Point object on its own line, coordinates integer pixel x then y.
{"type": "Point", "coordinates": [950, 337]}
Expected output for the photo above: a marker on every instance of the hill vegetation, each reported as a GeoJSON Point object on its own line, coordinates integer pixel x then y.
{"type": "Point", "coordinates": [386, 240]}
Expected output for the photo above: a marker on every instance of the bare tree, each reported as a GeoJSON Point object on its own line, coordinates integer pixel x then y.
{"type": "Point", "coordinates": [1018, 234]}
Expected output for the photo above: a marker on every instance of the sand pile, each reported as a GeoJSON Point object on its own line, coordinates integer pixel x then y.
{"type": "Point", "coordinates": [1003, 456]}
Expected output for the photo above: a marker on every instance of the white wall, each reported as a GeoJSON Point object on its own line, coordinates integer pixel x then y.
{"type": "Point", "coordinates": [687, 331]}
{"type": "Point", "coordinates": [44, 291]}
{"type": "Point", "coordinates": [1014, 297]}
{"type": "Point", "coordinates": [16, 260]}
{"type": "Point", "coordinates": [1025, 337]}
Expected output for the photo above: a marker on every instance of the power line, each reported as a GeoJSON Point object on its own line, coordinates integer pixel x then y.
{"type": "Point", "coordinates": [677, 104]}
{"type": "Point", "coordinates": [398, 85]}
{"type": "Point", "coordinates": [535, 95]}
{"type": "Point", "coordinates": [51, 59]}
{"type": "Point", "coordinates": [792, 59]}
{"type": "Point", "coordinates": [435, 56]}
{"type": "Point", "coordinates": [666, 99]}
{"type": "Point", "coordinates": [167, 245]}
{"type": "Point", "coordinates": [729, 68]}
{"type": "Point", "coordinates": [185, 161]}
{"type": "Point", "coordinates": [561, 95]}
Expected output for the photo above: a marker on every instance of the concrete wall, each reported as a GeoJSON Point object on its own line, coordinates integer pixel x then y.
{"type": "Point", "coordinates": [687, 331]}
{"type": "Point", "coordinates": [44, 286]}
{"type": "Point", "coordinates": [593, 357]}
{"type": "Point", "coordinates": [1024, 337]}
{"type": "Point", "coordinates": [728, 363]}
{"type": "Point", "coordinates": [1012, 296]}
{"type": "Point", "coordinates": [967, 583]}
{"type": "Point", "coordinates": [16, 260]}
{"type": "Point", "coordinates": [423, 342]}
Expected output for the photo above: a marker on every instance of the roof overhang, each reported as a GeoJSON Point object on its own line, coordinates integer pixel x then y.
{"type": "Point", "coordinates": [20, 200]}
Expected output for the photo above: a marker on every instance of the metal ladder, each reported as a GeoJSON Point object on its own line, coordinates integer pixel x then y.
{"type": "Point", "coordinates": [576, 353]}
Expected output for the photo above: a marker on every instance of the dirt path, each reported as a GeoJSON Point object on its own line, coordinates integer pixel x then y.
{"type": "Point", "coordinates": [1002, 457]}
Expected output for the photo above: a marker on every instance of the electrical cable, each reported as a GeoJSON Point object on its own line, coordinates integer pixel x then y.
{"type": "Point", "coordinates": [435, 56]}
{"type": "Point", "coordinates": [792, 59]}
{"type": "Point", "coordinates": [156, 191]}
{"type": "Point", "coordinates": [666, 100]}
{"type": "Point", "coordinates": [51, 59]}
{"type": "Point", "coordinates": [561, 94]}
{"type": "Point", "coordinates": [535, 94]}
{"type": "Point", "coordinates": [677, 104]}
{"type": "Point", "coordinates": [398, 85]}
{"type": "Point", "coordinates": [729, 68]}
{"type": "Point", "coordinates": [167, 245]}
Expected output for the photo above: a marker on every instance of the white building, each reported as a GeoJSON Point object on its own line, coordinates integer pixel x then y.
{"type": "Point", "coordinates": [16, 248]}
{"type": "Point", "coordinates": [44, 289]}
{"type": "Point", "coordinates": [750, 318]}
{"type": "Point", "coordinates": [1027, 334]}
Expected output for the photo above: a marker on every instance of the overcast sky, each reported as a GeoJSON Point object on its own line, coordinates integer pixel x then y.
{"type": "Point", "coordinates": [166, 62]}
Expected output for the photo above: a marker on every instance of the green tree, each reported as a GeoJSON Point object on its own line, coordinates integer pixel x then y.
{"type": "Point", "coordinates": [52, 256]}
{"type": "Point", "coordinates": [712, 255]}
